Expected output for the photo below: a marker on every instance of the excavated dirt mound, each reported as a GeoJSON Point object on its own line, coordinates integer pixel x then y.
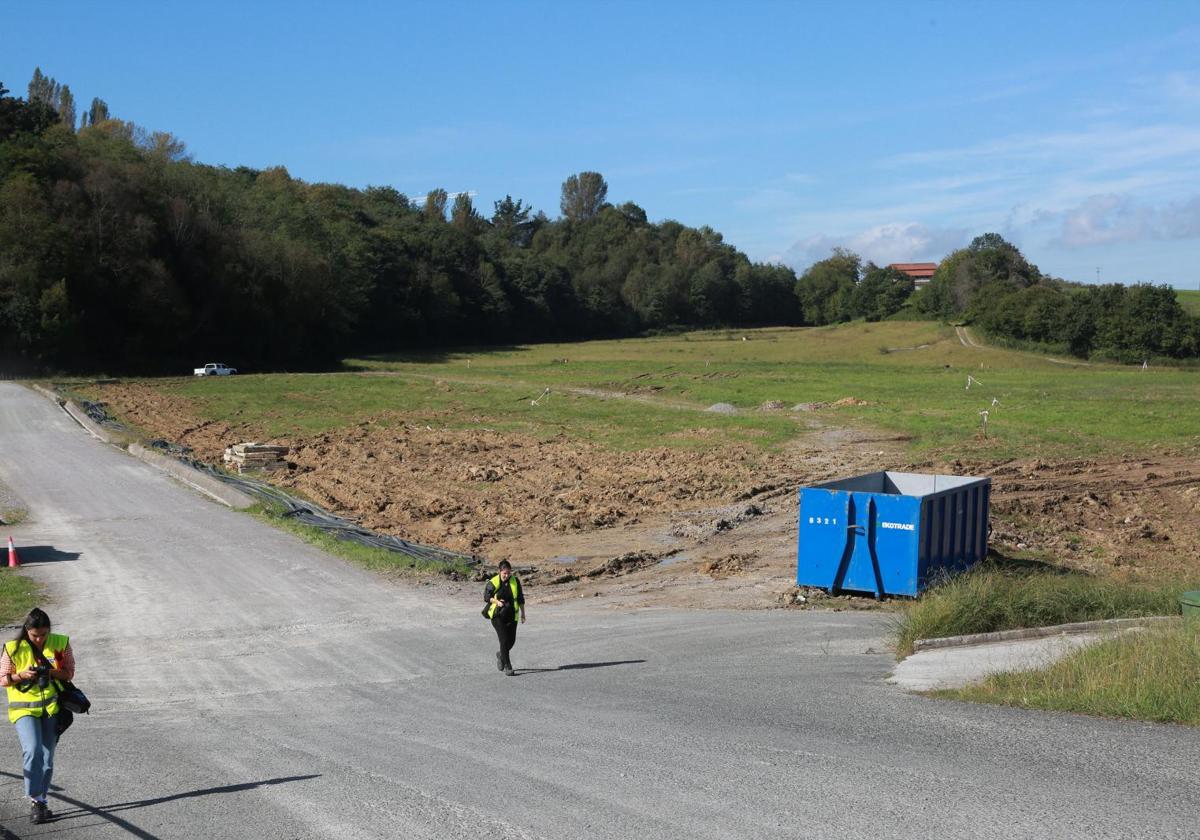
{"type": "Point", "coordinates": [467, 490]}
{"type": "Point", "coordinates": [714, 527]}
{"type": "Point", "coordinates": [1137, 515]}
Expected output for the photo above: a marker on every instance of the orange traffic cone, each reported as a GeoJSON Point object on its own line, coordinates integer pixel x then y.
{"type": "Point", "coordinates": [13, 562]}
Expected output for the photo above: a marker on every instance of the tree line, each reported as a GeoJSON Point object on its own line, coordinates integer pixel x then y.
{"type": "Point", "coordinates": [118, 252]}
{"type": "Point", "coordinates": [991, 285]}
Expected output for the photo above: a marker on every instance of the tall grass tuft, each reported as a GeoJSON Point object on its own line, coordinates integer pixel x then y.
{"type": "Point", "coordinates": [369, 557]}
{"type": "Point", "coordinates": [1149, 674]}
{"type": "Point", "coordinates": [18, 594]}
{"type": "Point", "coordinates": [988, 599]}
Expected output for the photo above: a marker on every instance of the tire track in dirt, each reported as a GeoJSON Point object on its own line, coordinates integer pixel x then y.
{"type": "Point", "coordinates": [968, 341]}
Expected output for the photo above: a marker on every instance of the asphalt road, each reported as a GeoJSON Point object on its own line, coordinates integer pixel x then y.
{"type": "Point", "coordinates": [249, 686]}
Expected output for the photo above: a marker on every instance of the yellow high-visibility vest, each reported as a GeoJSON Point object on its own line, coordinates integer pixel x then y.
{"type": "Point", "coordinates": [515, 587]}
{"type": "Point", "coordinates": [36, 701]}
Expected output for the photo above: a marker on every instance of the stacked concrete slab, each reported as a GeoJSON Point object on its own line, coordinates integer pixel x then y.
{"type": "Point", "coordinates": [247, 457]}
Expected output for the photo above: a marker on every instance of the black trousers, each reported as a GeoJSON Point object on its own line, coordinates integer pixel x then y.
{"type": "Point", "coordinates": [506, 632]}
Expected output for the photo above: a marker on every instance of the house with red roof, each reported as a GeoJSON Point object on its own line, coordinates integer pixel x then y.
{"type": "Point", "coordinates": [921, 273]}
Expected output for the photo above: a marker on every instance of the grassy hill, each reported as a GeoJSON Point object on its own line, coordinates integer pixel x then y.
{"type": "Point", "coordinates": [906, 377]}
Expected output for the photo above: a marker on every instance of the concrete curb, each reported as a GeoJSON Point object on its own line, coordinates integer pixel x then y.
{"type": "Point", "coordinates": [95, 429]}
{"type": "Point", "coordinates": [203, 482]}
{"type": "Point", "coordinates": [1038, 632]}
{"type": "Point", "coordinates": [75, 412]}
{"type": "Point", "coordinates": [45, 392]}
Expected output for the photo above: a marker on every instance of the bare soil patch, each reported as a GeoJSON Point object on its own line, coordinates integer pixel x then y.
{"type": "Point", "coordinates": [713, 527]}
{"type": "Point", "coordinates": [1132, 515]}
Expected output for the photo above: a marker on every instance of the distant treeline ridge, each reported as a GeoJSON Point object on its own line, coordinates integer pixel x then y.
{"type": "Point", "coordinates": [119, 253]}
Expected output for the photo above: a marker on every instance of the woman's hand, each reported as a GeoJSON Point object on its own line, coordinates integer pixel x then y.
{"type": "Point", "coordinates": [24, 676]}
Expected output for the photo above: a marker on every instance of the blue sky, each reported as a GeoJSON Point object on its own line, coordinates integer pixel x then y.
{"type": "Point", "coordinates": [899, 130]}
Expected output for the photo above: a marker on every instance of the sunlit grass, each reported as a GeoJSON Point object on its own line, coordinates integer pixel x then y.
{"type": "Point", "coordinates": [368, 557]}
{"type": "Point", "coordinates": [1190, 299]}
{"type": "Point", "coordinates": [916, 388]}
{"type": "Point", "coordinates": [18, 594]}
{"type": "Point", "coordinates": [987, 599]}
{"type": "Point", "coordinates": [1148, 674]}
{"type": "Point", "coordinates": [286, 405]}
{"type": "Point", "coordinates": [911, 375]}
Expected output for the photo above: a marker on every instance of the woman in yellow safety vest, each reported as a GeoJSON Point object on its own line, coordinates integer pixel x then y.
{"type": "Point", "coordinates": [30, 667]}
{"type": "Point", "coordinates": [505, 606]}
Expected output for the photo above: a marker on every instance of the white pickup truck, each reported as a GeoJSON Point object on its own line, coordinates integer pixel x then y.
{"type": "Point", "coordinates": [215, 369]}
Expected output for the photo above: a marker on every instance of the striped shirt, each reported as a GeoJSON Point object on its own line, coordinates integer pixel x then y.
{"type": "Point", "coordinates": [63, 661]}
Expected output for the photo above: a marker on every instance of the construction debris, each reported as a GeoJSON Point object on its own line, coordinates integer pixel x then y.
{"type": "Point", "coordinates": [245, 457]}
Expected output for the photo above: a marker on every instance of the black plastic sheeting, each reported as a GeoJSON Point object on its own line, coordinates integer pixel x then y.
{"type": "Point", "coordinates": [98, 412]}
{"type": "Point", "coordinates": [294, 508]}
{"type": "Point", "coordinates": [318, 517]}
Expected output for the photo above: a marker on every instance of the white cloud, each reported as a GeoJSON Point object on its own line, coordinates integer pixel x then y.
{"type": "Point", "coordinates": [881, 244]}
{"type": "Point", "coordinates": [450, 196]}
{"type": "Point", "coordinates": [1110, 218]}
{"type": "Point", "coordinates": [1094, 150]}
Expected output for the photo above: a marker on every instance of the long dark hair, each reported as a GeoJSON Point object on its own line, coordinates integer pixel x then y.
{"type": "Point", "coordinates": [36, 620]}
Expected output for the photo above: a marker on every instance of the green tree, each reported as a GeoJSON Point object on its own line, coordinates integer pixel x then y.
{"type": "Point", "coordinates": [66, 107]}
{"type": "Point", "coordinates": [824, 290]}
{"type": "Point", "coordinates": [47, 91]}
{"type": "Point", "coordinates": [880, 293]}
{"type": "Point", "coordinates": [766, 294]}
{"type": "Point", "coordinates": [510, 219]}
{"type": "Point", "coordinates": [988, 260]}
{"type": "Point", "coordinates": [435, 204]}
{"type": "Point", "coordinates": [43, 89]}
{"type": "Point", "coordinates": [1044, 310]}
{"type": "Point", "coordinates": [463, 215]}
{"type": "Point", "coordinates": [97, 113]}
{"type": "Point", "coordinates": [163, 147]}
{"type": "Point", "coordinates": [18, 116]}
{"type": "Point", "coordinates": [583, 196]}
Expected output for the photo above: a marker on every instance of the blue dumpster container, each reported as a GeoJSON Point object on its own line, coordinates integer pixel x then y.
{"type": "Point", "coordinates": [890, 533]}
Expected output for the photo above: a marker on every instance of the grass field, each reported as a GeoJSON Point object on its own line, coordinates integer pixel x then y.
{"type": "Point", "coordinates": [912, 375]}
{"type": "Point", "coordinates": [1190, 300]}
{"type": "Point", "coordinates": [1146, 675]}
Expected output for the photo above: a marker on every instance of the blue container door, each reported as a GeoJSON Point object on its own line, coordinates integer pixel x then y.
{"type": "Point", "coordinates": [888, 539]}
{"type": "Point", "coordinates": [822, 536]}
{"type": "Point", "coordinates": [863, 542]}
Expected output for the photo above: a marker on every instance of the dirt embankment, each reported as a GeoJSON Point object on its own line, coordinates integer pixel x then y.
{"type": "Point", "coordinates": [1126, 515]}
{"type": "Point", "coordinates": [708, 527]}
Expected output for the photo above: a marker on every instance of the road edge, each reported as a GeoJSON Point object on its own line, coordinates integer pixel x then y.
{"type": "Point", "coordinates": [1038, 632]}
{"type": "Point", "coordinates": [212, 487]}
{"type": "Point", "coordinates": [206, 484]}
